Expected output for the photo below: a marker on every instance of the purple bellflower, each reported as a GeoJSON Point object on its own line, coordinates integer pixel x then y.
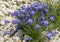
{"type": "Point", "coordinates": [45, 23]}
{"type": "Point", "coordinates": [37, 27]}
{"type": "Point", "coordinates": [6, 21]}
{"type": "Point", "coordinates": [49, 35]}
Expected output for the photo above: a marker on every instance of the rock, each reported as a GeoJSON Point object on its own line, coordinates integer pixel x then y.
{"type": "Point", "coordinates": [1, 39]}
{"type": "Point", "coordinates": [16, 39]}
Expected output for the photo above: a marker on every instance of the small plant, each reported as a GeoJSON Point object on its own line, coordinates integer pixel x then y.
{"type": "Point", "coordinates": [35, 19]}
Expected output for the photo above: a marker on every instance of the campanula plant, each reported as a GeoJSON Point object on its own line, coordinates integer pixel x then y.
{"type": "Point", "coordinates": [34, 19]}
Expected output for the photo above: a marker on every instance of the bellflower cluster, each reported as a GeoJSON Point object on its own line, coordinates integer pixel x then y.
{"type": "Point", "coordinates": [32, 15]}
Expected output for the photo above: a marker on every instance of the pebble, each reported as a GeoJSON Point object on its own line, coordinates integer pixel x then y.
{"type": "Point", "coordinates": [2, 39]}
